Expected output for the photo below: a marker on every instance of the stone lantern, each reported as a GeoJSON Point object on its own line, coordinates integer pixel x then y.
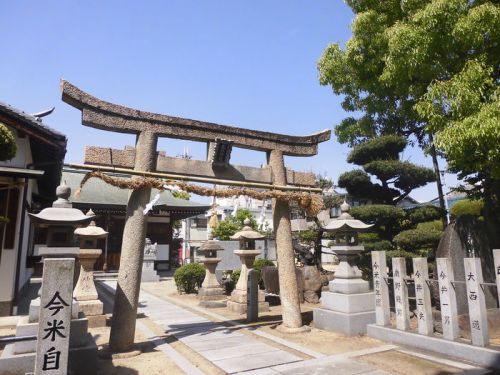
{"type": "Point", "coordinates": [349, 305]}
{"type": "Point", "coordinates": [211, 294]}
{"type": "Point", "coordinates": [60, 220]}
{"type": "Point", "coordinates": [85, 291]}
{"type": "Point", "coordinates": [247, 253]}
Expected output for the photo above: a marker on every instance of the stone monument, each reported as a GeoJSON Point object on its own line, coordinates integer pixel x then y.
{"type": "Point", "coordinates": [85, 291]}
{"type": "Point", "coordinates": [148, 264]}
{"type": "Point", "coordinates": [349, 305]}
{"type": "Point", "coordinates": [211, 294]}
{"type": "Point", "coordinates": [55, 316]}
{"type": "Point", "coordinates": [247, 254]}
{"type": "Point", "coordinates": [60, 220]}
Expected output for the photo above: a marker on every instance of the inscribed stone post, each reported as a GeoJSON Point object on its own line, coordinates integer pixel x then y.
{"type": "Point", "coordinates": [423, 296]}
{"type": "Point", "coordinates": [253, 296]}
{"type": "Point", "coordinates": [381, 289]}
{"type": "Point", "coordinates": [447, 298]}
{"type": "Point", "coordinates": [55, 317]}
{"type": "Point", "coordinates": [477, 303]}
{"type": "Point", "coordinates": [289, 294]}
{"type": "Point", "coordinates": [496, 257]}
{"type": "Point", "coordinates": [401, 294]}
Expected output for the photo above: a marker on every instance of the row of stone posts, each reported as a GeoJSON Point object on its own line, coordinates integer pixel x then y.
{"type": "Point", "coordinates": [445, 283]}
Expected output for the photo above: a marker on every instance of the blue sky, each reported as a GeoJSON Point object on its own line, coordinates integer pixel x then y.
{"type": "Point", "coordinates": [249, 64]}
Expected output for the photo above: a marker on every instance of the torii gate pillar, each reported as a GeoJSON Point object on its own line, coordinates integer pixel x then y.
{"type": "Point", "coordinates": [134, 233]}
{"type": "Point", "coordinates": [289, 294]}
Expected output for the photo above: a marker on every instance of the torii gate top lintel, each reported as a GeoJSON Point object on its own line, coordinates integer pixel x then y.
{"type": "Point", "coordinates": [103, 115]}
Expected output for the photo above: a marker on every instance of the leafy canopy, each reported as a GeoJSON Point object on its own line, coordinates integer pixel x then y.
{"type": "Point", "coordinates": [416, 68]}
{"type": "Point", "coordinates": [232, 224]}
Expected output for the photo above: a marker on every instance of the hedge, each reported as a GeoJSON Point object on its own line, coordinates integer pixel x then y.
{"type": "Point", "coordinates": [189, 277]}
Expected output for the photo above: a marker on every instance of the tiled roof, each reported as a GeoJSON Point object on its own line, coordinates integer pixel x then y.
{"type": "Point", "coordinates": [31, 120]}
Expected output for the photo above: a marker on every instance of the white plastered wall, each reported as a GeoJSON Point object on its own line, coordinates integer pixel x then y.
{"type": "Point", "coordinates": [8, 258]}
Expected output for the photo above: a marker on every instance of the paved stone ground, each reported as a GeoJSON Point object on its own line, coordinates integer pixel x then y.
{"type": "Point", "coordinates": [231, 351]}
{"type": "Point", "coordinates": [237, 353]}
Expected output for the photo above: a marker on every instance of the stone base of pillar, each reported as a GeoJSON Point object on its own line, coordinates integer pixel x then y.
{"type": "Point", "coordinates": [345, 313]}
{"type": "Point", "coordinates": [82, 360]}
{"type": "Point", "coordinates": [93, 310]}
{"type": "Point", "coordinates": [212, 297]}
{"type": "Point", "coordinates": [293, 330]}
{"type": "Point", "coordinates": [34, 310]}
{"type": "Point", "coordinates": [238, 302]}
{"type": "Point", "coordinates": [348, 324]}
{"type": "Point", "coordinates": [79, 334]}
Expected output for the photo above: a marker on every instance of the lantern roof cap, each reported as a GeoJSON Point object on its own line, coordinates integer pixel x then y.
{"type": "Point", "coordinates": [91, 230]}
{"type": "Point", "coordinates": [345, 222]}
{"type": "Point", "coordinates": [211, 245]}
{"type": "Point", "coordinates": [62, 211]}
{"type": "Point", "coordinates": [247, 232]}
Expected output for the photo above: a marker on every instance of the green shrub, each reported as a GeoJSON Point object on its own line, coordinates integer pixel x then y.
{"type": "Point", "coordinates": [8, 147]}
{"type": "Point", "coordinates": [424, 213]}
{"type": "Point", "coordinates": [436, 225]}
{"type": "Point", "coordinates": [308, 236]}
{"type": "Point", "coordinates": [413, 239]}
{"type": "Point", "coordinates": [189, 277]}
{"type": "Point", "coordinates": [467, 207]}
{"type": "Point", "coordinates": [235, 276]}
{"type": "Point", "coordinates": [259, 263]}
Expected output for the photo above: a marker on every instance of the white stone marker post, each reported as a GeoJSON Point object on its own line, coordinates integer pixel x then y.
{"type": "Point", "coordinates": [496, 257]}
{"type": "Point", "coordinates": [401, 294]}
{"type": "Point", "coordinates": [55, 317]}
{"type": "Point", "coordinates": [477, 304]}
{"type": "Point", "coordinates": [381, 289]}
{"type": "Point", "coordinates": [447, 299]}
{"type": "Point", "coordinates": [423, 296]}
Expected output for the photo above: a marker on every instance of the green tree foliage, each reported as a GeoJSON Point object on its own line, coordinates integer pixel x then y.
{"type": "Point", "coordinates": [379, 157]}
{"type": "Point", "coordinates": [232, 224]}
{"type": "Point", "coordinates": [424, 213]}
{"type": "Point", "coordinates": [419, 68]}
{"type": "Point", "coordinates": [181, 195]}
{"type": "Point", "coordinates": [467, 207]}
{"type": "Point", "coordinates": [386, 218]}
{"type": "Point", "coordinates": [189, 277]}
{"type": "Point", "coordinates": [8, 147]}
{"type": "Point", "coordinates": [412, 240]}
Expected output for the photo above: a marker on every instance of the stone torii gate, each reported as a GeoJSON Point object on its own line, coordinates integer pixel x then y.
{"type": "Point", "coordinates": [148, 127]}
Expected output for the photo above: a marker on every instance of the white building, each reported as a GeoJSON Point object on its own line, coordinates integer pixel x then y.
{"type": "Point", "coordinates": [27, 182]}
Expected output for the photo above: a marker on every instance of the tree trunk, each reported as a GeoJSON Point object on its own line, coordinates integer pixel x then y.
{"type": "Point", "coordinates": [442, 205]}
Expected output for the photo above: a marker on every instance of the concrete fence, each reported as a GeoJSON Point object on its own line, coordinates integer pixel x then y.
{"type": "Point", "coordinates": [392, 293]}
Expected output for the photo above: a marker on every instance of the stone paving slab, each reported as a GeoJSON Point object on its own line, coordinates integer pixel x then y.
{"type": "Point", "coordinates": [240, 351]}
{"type": "Point", "coordinates": [251, 361]}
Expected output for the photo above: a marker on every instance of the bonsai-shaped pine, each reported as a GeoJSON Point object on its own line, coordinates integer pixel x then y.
{"type": "Point", "coordinates": [379, 158]}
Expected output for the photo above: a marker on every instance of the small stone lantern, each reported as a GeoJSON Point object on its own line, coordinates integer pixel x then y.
{"type": "Point", "coordinates": [85, 291]}
{"type": "Point", "coordinates": [349, 305]}
{"type": "Point", "coordinates": [211, 294]}
{"type": "Point", "coordinates": [247, 253]}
